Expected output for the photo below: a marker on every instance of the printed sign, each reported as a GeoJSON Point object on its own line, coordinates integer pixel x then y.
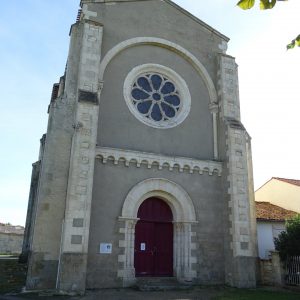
{"type": "Point", "coordinates": [105, 248]}
{"type": "Point", "coordinates": [143, 246]}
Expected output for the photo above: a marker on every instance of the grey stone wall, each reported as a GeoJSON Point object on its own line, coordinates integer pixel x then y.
{"type": "Point", "coordinates": [31, 208]}
{"type": "Point", "coordinates": [10, 243]}
{"type": "Point", "coordinates": [193, 138]}
{"type": "Point", "coordinates": [111, 186]}
{"type": "Point", "coordinates": [53, 181]}
{"type": "Point", "coordinates": [272, 270]}
{"type": "Point", "coordinates": [119, 128]}
{"type": "Point", "coordinates": [158, 19]}
{"type": "Point", "coordinates": [12, 275]}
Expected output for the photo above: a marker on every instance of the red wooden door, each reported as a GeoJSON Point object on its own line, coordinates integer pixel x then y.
{"type": "Point", "coordinates": [154, 239]}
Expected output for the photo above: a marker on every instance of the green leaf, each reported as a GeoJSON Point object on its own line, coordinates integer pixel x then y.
{"type": "Point", "coordinates": [267, 4]}
{"type": "Point", "coordinates": [246, 4]}
{"type": "Point", "coordinates": [298, 40]}
{"type": "Point", "coordinates": [295, 42]}
{"type": "Point", "coordinates": [291, 45]}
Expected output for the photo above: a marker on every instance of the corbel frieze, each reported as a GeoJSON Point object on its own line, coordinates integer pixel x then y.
{"type": "Point", "coordinates": [137, 158]}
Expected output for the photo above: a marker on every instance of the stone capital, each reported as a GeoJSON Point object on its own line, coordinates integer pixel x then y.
{"type": "Point", "coordinates": [214, 108]}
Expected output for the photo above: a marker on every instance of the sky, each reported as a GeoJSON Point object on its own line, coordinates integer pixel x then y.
{"type": "Point", "coordinates": [34, 41]}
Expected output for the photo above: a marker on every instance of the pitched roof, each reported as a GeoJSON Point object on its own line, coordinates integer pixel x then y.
{"type": "Point", "coordinates": [10, 229]}
{"type": "Point", "coordinates": [291, 181]}
{"type": "Point", "coordinates": [266, 211]}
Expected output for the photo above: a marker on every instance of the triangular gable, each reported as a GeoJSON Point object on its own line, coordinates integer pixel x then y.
{"type": "Point", "coordinates": [182, 10]}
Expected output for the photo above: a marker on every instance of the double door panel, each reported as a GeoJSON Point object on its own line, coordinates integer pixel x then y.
{"type": "Point", "coordinates": [153, 249]}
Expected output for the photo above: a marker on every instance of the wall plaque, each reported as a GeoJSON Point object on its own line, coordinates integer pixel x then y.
{"type": "Point", "coordinates": [105, 248]}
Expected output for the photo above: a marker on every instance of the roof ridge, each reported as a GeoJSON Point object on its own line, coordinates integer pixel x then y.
{"type": "Point", "coordinates": [288, 180]}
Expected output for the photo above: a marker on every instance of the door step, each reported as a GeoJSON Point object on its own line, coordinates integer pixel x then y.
{"type": "Point", "coordinates": [160, 284]}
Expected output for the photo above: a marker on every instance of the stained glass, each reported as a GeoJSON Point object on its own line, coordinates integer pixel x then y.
{"type": "Point", "coordinates": [138, 94]}
{"type": "Point", "coordinates": [168, 110]}
{"type": "Point", "coordinates": [143, 82]}
{"type": "Point", "coordinates": [144, 106]}
{"type": "Point", "coordinates": [173, 100]}
{"type": "Point", "coordinates": [156, 97]}
{"type": "Point", "coordinates": [156, 113]}
{"type": "Point", "coordinates": [156, 81]}
{"type": "Point", "coordinates": [168, 88]}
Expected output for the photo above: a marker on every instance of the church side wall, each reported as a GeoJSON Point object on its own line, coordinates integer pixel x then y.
{"type": "Point", "coordinates": [45, 248]}
{"type": "Point", "coordinates": [112, 184]}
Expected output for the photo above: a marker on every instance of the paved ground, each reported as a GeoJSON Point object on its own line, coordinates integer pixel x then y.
{"type": "Point", "coordinates": [197, 293]}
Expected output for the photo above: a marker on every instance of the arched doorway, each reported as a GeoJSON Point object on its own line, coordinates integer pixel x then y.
{"type": "Point", "coordinates": [153, 249]}
{"type": "Point", "coordinates": [183, 213]}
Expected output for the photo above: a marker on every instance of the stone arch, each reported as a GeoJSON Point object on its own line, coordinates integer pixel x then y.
{"type": "Point", "coordinates": [188, 56]}
{"type": "Point", "coordinates": [178, 199]}
{"type": "Point", "coordinates": [184, 217]}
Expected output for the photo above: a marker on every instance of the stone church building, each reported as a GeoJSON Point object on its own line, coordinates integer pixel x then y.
{"type": "Point", "coordinates": [145, 170]}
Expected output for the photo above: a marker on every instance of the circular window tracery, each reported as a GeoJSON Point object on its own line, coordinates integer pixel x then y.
{"type": "Point", "coordinates": [157, 96]}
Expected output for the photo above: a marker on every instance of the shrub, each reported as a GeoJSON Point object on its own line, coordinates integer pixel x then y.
{"type": "Point", "coordinates": [288, 242]}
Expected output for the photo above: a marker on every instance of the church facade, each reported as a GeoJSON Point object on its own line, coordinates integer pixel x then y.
{"type": "Point", "coordinates": [145, 169]}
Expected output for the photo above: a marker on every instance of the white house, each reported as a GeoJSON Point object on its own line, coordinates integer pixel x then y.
{"type": "Point", "coordinates": [270, 223]}
{"type": "Point", "coordinates": [282, 192]}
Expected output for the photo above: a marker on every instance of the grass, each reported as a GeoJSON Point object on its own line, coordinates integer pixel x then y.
{"type": "Point", "coordinates": [258, 294]}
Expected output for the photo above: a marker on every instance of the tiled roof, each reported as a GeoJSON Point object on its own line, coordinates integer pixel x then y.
{"type": "Point", "coordinates": [268, 211]}
{"type": "Point", "coordinates": [291, 181]}
{"type": "Point", "coordinates": [10, 229]}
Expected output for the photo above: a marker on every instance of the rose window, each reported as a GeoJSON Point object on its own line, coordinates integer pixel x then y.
{"type": "Point", "coordinates": [156, 97]}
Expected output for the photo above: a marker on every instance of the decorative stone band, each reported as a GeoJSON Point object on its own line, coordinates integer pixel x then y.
{"type": "Point", "coordinates": [160, 161]}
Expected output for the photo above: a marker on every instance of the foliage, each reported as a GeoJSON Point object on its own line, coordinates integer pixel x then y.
{"type": "Point", "coordinates": [288, 242]}
{"type": "Point", "coordinates": [268, 4]}
{"type": "Point", "coordinates": [295, 42]}
{"type": "Point", "coordinates": [264, 4]}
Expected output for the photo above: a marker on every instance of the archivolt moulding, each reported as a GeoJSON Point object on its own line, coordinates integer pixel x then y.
{"type": "Point", "coordinates": [178, 199]}
{"type": "Point", "coordinates": [165, 44]}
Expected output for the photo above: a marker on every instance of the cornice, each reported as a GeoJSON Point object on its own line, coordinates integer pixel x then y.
{"type": "Point", "coordinates": [150, 160]}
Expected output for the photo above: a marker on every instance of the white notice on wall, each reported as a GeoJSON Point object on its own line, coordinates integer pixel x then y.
{"type": "Point", "coordinates": [143, 246]}
{"type": "Point", "coordinates": [105, 248]}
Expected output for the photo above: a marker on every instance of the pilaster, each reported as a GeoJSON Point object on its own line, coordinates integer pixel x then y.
{"type": "Point", "coordinates": [228, 90]}
{"type": "Point", "coordinates": [241, 238]}
{"type": "Point", "coordinates": [127, 273]}
{"type": "Point", "coordinates": [183, 246]}
{"type": "Point", "coordinates": [75, 235]}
